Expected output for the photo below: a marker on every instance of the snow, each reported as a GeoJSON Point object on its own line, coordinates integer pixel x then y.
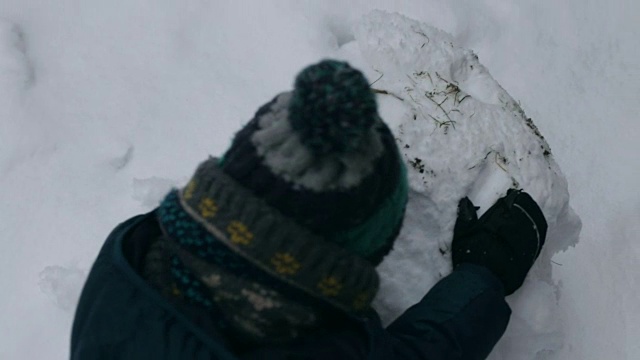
{"type": "Point", "coordinates": [103, 106]}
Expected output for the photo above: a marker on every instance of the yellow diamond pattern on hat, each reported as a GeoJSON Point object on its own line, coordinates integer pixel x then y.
{"type": "Point", "coordinates": [239, 233]}
{"type": "Point", "coordinates": [330, 286]}
{"type": "Point", "coordinates": [189, 189]}
{"type": "Point", "coordinates": [285, 264]}
{"type": "Point", "coordinates": [208, 208]}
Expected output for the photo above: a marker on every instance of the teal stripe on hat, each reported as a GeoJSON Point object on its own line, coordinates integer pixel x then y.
{"type": "Point", "coordinates": [376, 233]}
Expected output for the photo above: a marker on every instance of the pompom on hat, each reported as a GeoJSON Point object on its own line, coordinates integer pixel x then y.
{"type": "Point", "coordinates": [332, 108]}
{"type": "Point", "coordinates": [312, 190]}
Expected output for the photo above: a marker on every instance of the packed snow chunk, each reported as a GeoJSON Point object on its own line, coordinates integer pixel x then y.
{"type": "Point", "coordinates": [62, 285]}
{"type": "Point", "coordinates": [533, 332]}
{"type": "Point", "coordinates": [461, 134]}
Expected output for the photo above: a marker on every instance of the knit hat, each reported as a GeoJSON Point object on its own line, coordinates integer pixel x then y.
{"type": "Point", "coordinates": [322, 156]}
{"type": "Point", "coordinates": [311, 192]}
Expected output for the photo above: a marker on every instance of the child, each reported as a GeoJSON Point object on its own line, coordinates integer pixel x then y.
{"type": "Point", "coordinates": [270, 251]}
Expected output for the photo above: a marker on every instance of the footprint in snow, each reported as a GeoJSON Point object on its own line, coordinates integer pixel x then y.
{"type": "Point", "coordinates": [16, 68]}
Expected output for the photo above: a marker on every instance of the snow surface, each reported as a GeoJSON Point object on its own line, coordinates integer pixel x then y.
{"type": "Point", "coordinates": [105, 105]}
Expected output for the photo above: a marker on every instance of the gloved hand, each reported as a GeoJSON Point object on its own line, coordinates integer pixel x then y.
{"type": "Point", "coordinates": [507, 239]}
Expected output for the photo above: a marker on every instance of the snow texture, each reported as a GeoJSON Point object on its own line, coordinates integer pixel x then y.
{"type": "Point", "coordinates": [453, 117]}
{"type": "Point", "coordinates": [62, 285]}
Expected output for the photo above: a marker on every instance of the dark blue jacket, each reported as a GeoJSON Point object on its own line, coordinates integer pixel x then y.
{"type": "Point", "coordinates": [120, 316]}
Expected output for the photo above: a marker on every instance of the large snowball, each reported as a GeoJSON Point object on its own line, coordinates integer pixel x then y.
{"type": "Point", "coordinates": [451, 118]}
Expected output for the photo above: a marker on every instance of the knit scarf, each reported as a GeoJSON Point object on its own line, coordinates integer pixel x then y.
{"type": "Point", "coordinates": [263, 278]}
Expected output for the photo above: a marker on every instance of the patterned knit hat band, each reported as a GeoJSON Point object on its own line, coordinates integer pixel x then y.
{"type": "Point", "coordinates": [258, 233]}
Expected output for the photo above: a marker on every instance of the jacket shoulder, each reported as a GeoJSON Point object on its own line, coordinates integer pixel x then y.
{"type": "Point", "coordinates": [120, 316]}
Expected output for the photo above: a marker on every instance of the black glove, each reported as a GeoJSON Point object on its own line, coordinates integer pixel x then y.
{"type": "Point", "coordinates": [507, 239]}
